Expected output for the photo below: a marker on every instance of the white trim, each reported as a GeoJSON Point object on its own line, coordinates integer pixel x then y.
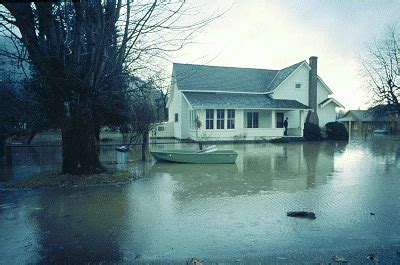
{"type": "Point", "coordinates": [171, 94]}
{"type": "Point", "coordinates": [329, 101]}
{"type": "Point", "coordinates": [225, 92]}
{"type": "Point", "coordinates": [251, 108]}
{"type": "Point", "coordinates": [292, 73]}
{"type": "Point", "coordinates": [326, 86]}
{"type": "Point", "coordinates": [190, 105]}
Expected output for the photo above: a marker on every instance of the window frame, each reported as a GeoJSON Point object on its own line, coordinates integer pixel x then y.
{"type": "Point", "coordinates": [230, 120]}
{"type": "Point", "coordinates": [209, 119]}
{"type": "Point", "coordinates": [220, 119]}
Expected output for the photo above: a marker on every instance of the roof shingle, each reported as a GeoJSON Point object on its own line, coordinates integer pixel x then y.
{"type": "Point", "coordinates": [229, 79]}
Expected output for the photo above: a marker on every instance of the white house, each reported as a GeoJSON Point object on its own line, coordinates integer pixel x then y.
{"type": "Point", "coordinates": [245, 104]}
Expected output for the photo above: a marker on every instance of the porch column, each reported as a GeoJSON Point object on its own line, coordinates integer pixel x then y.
{"type": "Point", "coordinates": [273, 119]}
{"type": "Point", "coordinates": [349, 128]}
{"type": "Point", "coordinates": [301, 124]}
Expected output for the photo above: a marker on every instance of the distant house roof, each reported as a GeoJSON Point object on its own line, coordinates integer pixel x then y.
{"type": "Point", "coordinates": [199, 100]}
{"type": "Point", "coordinates": [363, 115]}
{"type": "Point", "coordinates": [193, 77]}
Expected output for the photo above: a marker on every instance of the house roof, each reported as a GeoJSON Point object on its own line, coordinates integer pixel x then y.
{"type": "Point", "coordinates": [325, 102]}
{"type": "Point", "coordinates": [363, 115]}
{"type": "Point", "coordinates": [199, 100]}
{"type": "Point", "coordinates": [193, 77]}
{"type": "Point", "coordinates": [281, 76]}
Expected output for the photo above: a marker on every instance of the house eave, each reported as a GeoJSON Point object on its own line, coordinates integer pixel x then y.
{"type": "Point", "coordinates": [283, 109]}
{"type": "Point", "coordinates": [225, 92]}
{"type": "Point", "coordinates": [325, 85]}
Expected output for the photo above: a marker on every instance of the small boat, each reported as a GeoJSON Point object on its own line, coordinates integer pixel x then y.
{"type": "Point", "coordinates": [210, 155]}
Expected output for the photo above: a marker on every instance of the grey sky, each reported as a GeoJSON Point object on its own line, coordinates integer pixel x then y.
{"type": "Point", "coordinates": [274, 34]}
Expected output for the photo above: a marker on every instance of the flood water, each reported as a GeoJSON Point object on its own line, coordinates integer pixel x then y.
{"type": "Point", "coordinates": [231, 213]}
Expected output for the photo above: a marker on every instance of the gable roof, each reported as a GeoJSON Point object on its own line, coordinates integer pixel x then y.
{"type": "Point", "coordinates": [193, 77]}
{"type": "Point", "coordinates": [325, 102]}
{"type": "Point", "coordinates": [199, 100]}
{"type": "Point", "coordinates": [363, 115]}
{"type": "Point", "coordinates": [281, 76]}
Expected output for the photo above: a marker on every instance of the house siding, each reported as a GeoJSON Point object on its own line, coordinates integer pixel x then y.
{"type": "Point", "coordinates": [287, 89]}
{"type": "Point", "coordinates": [184, 121]}
{"type": "Point", "coordinates": [322, 92]}
{"type": "Point", "coordinates": [175, 106]}
{"type": "Point", "coordinates": [326, 114]}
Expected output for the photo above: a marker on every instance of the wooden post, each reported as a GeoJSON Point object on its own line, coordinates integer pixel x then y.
{"type": "Point", "coordinates": [349, 129]}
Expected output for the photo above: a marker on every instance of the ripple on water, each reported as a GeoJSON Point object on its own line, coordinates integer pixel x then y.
{"type": "Point", "coordinates": [230, 211]}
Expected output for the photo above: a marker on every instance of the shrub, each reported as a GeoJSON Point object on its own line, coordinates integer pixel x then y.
{"type": "Point", "coordinates": [336, 131]}
{"type": "Point", "coordinates": [312, 132]}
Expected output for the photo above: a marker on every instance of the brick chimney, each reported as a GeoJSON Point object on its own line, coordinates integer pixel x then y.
{"type": "Point", "coordinates": [312, 116]}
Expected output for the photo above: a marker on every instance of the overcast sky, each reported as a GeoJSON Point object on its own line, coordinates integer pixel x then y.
{"type": "Point", "coordinates": [273, 34]}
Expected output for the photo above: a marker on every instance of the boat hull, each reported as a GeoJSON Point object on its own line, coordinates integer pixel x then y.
{"type": "Point", "coordinates": [182, 156]}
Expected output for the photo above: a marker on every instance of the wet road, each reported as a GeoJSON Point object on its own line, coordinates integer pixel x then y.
{"type": "Point", "coordinates": [220, 212]}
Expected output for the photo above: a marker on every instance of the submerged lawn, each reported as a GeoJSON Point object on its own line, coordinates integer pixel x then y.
{"type": "Point", "coordinates": [58, 180]}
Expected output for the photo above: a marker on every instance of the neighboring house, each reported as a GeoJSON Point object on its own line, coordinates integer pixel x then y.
{"type": "Point", "coordinates": [365, 121]}
{"type": "Point", "coordinates": [244, 103]}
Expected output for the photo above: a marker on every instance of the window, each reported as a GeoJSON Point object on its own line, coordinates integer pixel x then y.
{"type": "Point", "coordinates": [252, 119]}
{"type": "Point", "coordinates": [160, 128]}
{"type": "Point", "coordinates": [192, 119]}
{"type": "Point", "coordinates": [220, 118]}
{"type": "Point", "coordinates": [176, 117]}
{"type": "Point", "coordinates": [231, 119]}
{"type": "Point", "coordinates": [279, 120]}
{"type": "Point", "coordinates": [209, 119]}
{"type": "Point", "coordinates": [297, 85]}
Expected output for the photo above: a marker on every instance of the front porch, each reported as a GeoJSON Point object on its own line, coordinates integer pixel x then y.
{"type": "Point", "coordinates": [245, 124]}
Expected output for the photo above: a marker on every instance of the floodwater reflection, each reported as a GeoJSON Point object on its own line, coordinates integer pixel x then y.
{"type": "Point", "coordinates": [258, 169]}
{"type": "Point", "coordinates": [218, 212]}
{"type": "Point", "coordinates": [69, 230]}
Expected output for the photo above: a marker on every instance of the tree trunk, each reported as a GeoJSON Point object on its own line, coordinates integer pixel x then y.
{"type": "Point", "coordinates": [2, 147]}
{"type": "Point", "coordinates": [144, 144]}
{"type": "Point", "coordinates": [80, 145]}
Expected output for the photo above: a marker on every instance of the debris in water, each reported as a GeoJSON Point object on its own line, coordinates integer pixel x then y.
{"type": "Point", "coordinates": [6, 205]}
{"type": "Point", "coordinates": [371, 213]}
{"type": "Point", "coordinates": [339, 259]}
{"type": "Point", "coordinates": [302, 214]}
{"type": "Point", "coordinates": [372, 257]}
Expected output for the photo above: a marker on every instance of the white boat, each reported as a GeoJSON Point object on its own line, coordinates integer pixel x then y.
{"type": "Point", "coordinates": [210, 155]}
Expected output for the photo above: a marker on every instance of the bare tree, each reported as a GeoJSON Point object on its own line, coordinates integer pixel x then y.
{"type": "Point", "coordinates": [142, 121]}
{"type": "Point", "coordinates": [381, 68]}
{"type": "Point", "coordinates": [161, 83]}
{"type": "Point", "coordinates": [81, 53]}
